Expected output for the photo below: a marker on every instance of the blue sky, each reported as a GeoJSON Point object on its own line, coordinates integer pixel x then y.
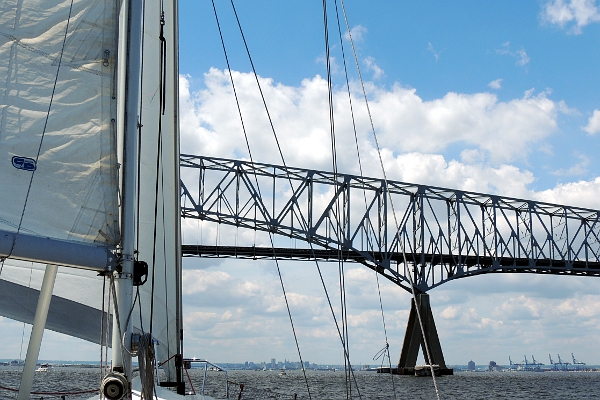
{"type": "Point", "coordinates": [433, 47]}
{"type": "Point", "coordinates": [487, 96]}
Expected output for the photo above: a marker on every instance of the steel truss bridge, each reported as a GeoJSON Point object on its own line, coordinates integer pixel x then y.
{"type": "Point", "coordinates": [395, 228]}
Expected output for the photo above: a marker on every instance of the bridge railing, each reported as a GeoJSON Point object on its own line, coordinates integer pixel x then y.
{"type": "Point", "coordinates": [397, 228]}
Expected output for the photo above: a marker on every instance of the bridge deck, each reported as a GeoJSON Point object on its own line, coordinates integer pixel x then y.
{"type": "Point", "coordinates": [483, 264]}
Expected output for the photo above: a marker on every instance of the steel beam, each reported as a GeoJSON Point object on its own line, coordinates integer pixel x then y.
{"type": "Point", "coordinates": [396, 228]}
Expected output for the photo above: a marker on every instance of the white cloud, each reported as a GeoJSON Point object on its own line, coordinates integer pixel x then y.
{"type": "Point", "coordinates": [521, 55]}
{"type": "Point", "coordinates": [582, 194]}
{"type": "Point", "coordinates": [333, 64]}
{"type": "Point", "coordinates": [571, 13]}
{"type": "Point", "coordinates": [450, 312]}
{"type": "Point", "coordinates": [432, 50]}
{"type": "Point", "coordinates": [434, 169]}
{"type": "Point", "coordinates": [578, 169]}
{"type": "Point", "coordinates": [357, 32]}
{"type": "Point", "coordinates": [520, 308]}
{"type": "Point", "coordinates": [593, 125]}
{"type": "Point", "coordinates": [372, 66]}
{"type": "Point", "coordinates": [504, 131]}
{"type": "Point", "coordinates": [495, 84]}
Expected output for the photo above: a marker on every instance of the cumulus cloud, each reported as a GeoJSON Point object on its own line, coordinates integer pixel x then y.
{"type": "Point", "coordinates": [581, 193]}
{"type": "Point", "coordinates": [495, 84]}
{"type": "Point", "coordinates": [504, 130]}
{"type": "Point", "coordinates": [571, 14]}
{"type": "Point", "coordinates": [593, 125]}
{"type": "Point", "coordinates": [520, 308]}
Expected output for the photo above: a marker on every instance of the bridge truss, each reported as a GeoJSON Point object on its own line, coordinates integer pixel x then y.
{"type": "Point", "coordinates": [397, 229]}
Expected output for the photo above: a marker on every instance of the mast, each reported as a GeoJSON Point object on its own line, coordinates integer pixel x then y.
{"type": "Point", "coordinates": [113, 384]}
{"type": "Point", "coordinates": [178, 267]}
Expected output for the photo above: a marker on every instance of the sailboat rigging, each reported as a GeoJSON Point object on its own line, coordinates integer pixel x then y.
{"type": "Point", "coordinates": [74, 93]}
{"type": "Point", "coordinates": [89, 139]}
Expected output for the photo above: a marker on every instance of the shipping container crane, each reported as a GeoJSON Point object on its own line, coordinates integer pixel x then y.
{"type": "Point", "coordinates": [575, 362]}
{"type": "Point", "coordinates": [536, 365]}
{"type": "Point", "coordinates": [554, 366]}
{"type": "Point", "coordinates": [513, 365]}
{"type": "Point", "coordinates": [561, 363]}
{"type": "Point", "coordinates": [527, 364]}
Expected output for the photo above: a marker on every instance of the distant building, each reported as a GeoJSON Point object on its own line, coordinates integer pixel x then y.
{"type": "Point", "coordinates": [273, 363]}
{"type": "Point", "coordinates": [471, 365]}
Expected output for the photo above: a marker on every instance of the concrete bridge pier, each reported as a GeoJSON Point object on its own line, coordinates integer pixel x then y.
{"type": "Point", "coordinates": [413, 340]}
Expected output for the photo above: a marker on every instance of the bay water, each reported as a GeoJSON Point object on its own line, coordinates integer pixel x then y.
{"type": "Point", "coordinates": [332, 385]}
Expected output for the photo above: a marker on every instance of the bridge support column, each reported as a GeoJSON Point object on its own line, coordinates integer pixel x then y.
{"type": "Point", "coordinates": [413, 340]}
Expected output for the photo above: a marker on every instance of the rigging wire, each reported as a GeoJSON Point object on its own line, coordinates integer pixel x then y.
{"type": "Point", "coordinates": [257, 185]}
{"type": "Point", "coordinates": [259, 86]}
{"type": "Point", "coordinates": [343, 315]}
{"type": "Point", "coordinates": [289, 179]}
{"type": "Point", "coordinates": [159, 171]}
{"type": "Point", "coordinates": [163, 56]}
{"type": "Point", "coordinates": [387, 346]}
{"type": "Point", "coordinates": [412, 285]}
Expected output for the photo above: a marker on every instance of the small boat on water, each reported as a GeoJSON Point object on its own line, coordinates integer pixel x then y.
{"type": "Point", "coordinates": [282, 372]}
{"type": "Point", "coordinates": [43, 368]}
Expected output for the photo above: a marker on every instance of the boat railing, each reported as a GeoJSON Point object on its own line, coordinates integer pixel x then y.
{"type": "Point", "coordinates": [187, 363]}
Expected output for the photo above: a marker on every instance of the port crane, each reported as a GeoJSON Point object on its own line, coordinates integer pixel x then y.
{"type": "Point", "coordinates": [575, 362]}
{"type": "Point", "coordinates": [536, 365]}
{"type": "Point", "coordinates": [514, 366]}
{"type": "Point", "coordinates": [561, 363]}
{"type": "Point", "coordinates": [553, 364]}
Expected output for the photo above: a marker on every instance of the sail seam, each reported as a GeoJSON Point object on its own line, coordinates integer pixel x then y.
{"type": "Point", "coordinates": [49, 56]}
{"type": "Point", "coordinates": [44, 130]}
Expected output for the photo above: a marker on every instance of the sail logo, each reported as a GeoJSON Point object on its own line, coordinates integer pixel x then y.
{"type": "Point", "coordinates": [24, 163]}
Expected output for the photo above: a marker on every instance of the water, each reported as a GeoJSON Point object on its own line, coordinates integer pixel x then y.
{"type": "Point", "coordinates": [331, 385]}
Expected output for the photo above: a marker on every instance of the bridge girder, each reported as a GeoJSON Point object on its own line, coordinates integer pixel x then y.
{"type": "Point", "coordinates": [436, 235]}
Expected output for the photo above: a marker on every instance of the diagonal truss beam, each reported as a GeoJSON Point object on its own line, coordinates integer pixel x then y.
{"type": "Point", "coordinates": [443, 234]}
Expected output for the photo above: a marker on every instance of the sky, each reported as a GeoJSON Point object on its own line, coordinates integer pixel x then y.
{"type": "Point", "coordinates": [496, 97]}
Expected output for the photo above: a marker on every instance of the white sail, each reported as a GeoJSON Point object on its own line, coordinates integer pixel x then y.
{"type": "Point", "coordinates": [76, 306]}
{"type": "Point", "coordinates": [74, 193]}
{"type": "Point", "coordinates": [58, 98]}
{"type": "Point", "coordinates": [159, 205]}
